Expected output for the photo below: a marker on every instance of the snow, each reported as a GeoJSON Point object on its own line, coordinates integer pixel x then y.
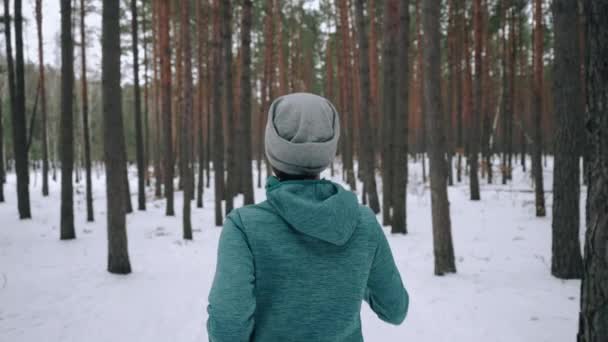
{"type": "Point", "coordinates": [52, 290]}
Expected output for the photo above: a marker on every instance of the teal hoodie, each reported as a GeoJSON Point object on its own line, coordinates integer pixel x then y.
{"type": "Point", "coordinates": [297, 267]}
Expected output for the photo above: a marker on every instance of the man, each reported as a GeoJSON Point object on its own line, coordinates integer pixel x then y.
{"type": "Point", "coordinates": [297, 266]}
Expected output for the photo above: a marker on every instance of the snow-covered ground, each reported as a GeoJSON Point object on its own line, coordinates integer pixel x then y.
{"type": "Point", "coordinates": [52, 290]}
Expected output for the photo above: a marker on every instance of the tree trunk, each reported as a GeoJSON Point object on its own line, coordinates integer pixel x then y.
{"type": "Point", "coordinates": [218, 139]}
{"type": "Point", "coordinates": [157, 103]}
{"type": "Point", "coordinates": [594, 288]}
{"type": "Point", "coordinates": [139, 139]}
{"type": "Point", "coordinates": [201, 24]}
{"type": "Point", "coordinates": [477, 97]}
{"type": "Point", "coordinates": [246, 22]}
{"type": "Point", "coordinates": [388, 106]}
{"type": "Point", "coordinates": [400, 128]}
{"type": "Point", "coordinates": [114, 142]}
{"type": "Point", "coordinates": [537, 101]}
{"type": "Point", "coordinates": [146, 112]}
{"type": "Point", "coordinates": [346, 106]}
{"type": "Point", "coordinates": [67, 123]}
{"type": "Point", "coordinates": [85, 116]}
{"type": "Point", "coordinates": [186, 116]}
{"type": "Point", "coordinates": [367, 145]}
{"type": "Point", "coordinates": [442, 235]}
{"type": "Point", "coordinates": [2, 170]}
{"type": "Point", "coordinates": [19, 119]}
{"type": "Point", "coordinates": [43, 107]}
{"type": "Point", "coordinates": [165, 80]}
{"type": "Point", "coordinates": [566, 257]}
{"type": "Point", "coordinates": [230, 189]}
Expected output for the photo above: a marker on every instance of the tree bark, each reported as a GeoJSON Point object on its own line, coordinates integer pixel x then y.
{"type": "Point", "coordinates": [442, 236]}
{"type": "Point", "coordinates": [114, 142]}
{"type": "Point", "coordinates": [566, 257]}
{"type": "Point", "coordinates": [186, 116]}
{"type": "Point", "coordinates": [477, 97]}
{"type": "Point", "coordinates": [367, 145]}
{"type": "Point", "coordinates": [230, 189]}
{"type": "Point", "coordinates": [218, 140]}
{"type": "Point", "coordinates": [594, 288]}
{"type": "Point", "coordinates": [139, 139]}
{"type": "Point", "coordinates": [537, 101]}
{"type": "Point", "coordinates": [85, 116]}
{"type": "Point", "coordinates": [246, 22]}
{"type": "Point", "coordinates": [165, 80]}
{"type": "Point", "coordinates": [388, 106]}
{"type": "Point", "coordinates": [43, 107]}
{"type": "Point", "coordinates": [67, 122]}
{"type": "Point", "coordinates": [400, 128]}
{"type": "Point", "coordinates": [19, 120]}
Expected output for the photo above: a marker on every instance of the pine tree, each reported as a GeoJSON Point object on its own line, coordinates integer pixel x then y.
{"type": "Point", "coordinates": [218, 92]}
{"type": "Point", "coordinates": [537, 101]}
{"type": "Point", "coordinates": [43, 106]}
{"type": "Point", "coordinates": [476, 112]}
{"type": "Point", "coordinates": [566, 257]}
{"type": "Point", "coordinates": [67, 123]}
{"type": "Point", "coordinates": [593, 320]}
{"type": "Point", "coordinates": [186, 122]}
{"type": "Point", "coordinates": [399, 127]}
{"type": "Point", "coordinates": [165, 80]}
{"type": "Point", "coordinates": [367, 145]}
{"type": "Point", "coordinates": [139, 139]}
{"type": "Point", "coordinates": [114, 142]}
{"type": "Point", "coordinates": [85, 115]}
{"type": "Point", "coordinates": [245, 105]}
{"type": "Point", "coordinates": [19, 120]}
{"type": "Point", "coordinates": [442, 235]}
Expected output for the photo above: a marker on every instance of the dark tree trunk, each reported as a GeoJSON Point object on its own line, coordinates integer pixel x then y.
{"type": "Point", "coordinates": [594, 288]}
{"type": "Point", "coordinates": [43, 107]}
{"type": "Point", "coordinates": [67, 122]}
{"type": "Point", "coordinates": [458, 56]}
{"type": "Point", "coordinates": [114, 141]}
{"type": "Point", "coordinates": [566, 257]}
{"type": "Point", "coordinates": [246, 154]}
{"type": "Point", "coordinates": [10, 72]}
{"type": "Point", "coordinates": [537, 102]}
{"type": "Point", "coordinates": [346, 93]}
{"type": "Point", "coordinates": [201, 25]}
{"type": "Point", "coordinates": [19, 120]}
{"type": "Point", "coordinates": [230, 189]}
{"type": "Point", "coordinates": [85, 116]}
{"type": "Point", "coordinates": [477, 96]}
{"type": "Point", "coordinates": [186, 116]}
{"type": "Point", "coordinates": [388, 106]}
{"type": "Point", "coordinates": [146, 112]}
{"type": "Point", "coordinates": [165, 80]}
{"type": "Point", "coordinates": [218, 139]}
{"type": "Point", "coordinates": [157, 101]}
{"type": "Point", "coordinates": [367, 145]}
{"type": "Point", "coordinates": [442, 235]}
{"type": "Point", "coordinates": [139, 139]}
{"type": "Point", "coordinates": [2, 170]}
{"type": "Point", "coordinates": [400, 128]}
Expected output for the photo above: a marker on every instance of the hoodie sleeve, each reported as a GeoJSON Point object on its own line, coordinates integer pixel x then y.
{"type": "Point", "coordinates": [231, 299]}
{"type": "Point", "coordinates": [385, 292]}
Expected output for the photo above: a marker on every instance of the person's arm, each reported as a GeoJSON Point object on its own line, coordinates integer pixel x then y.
{"type": "Point", "coordinates": [231, 299]}
{"type": "Point", "coordinates": [385, 292]}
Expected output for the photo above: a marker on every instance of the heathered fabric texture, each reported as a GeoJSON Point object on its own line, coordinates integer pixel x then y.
{"type": "Point", "coordinates": [302, 133]}
{"type": "Point", "coordinates": [298, 266]}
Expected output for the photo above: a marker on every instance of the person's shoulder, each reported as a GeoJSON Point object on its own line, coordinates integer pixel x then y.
{"type": "Point", "coordinates": [250, 213]}
{"type": "Point", "coordinates": [368, 219]}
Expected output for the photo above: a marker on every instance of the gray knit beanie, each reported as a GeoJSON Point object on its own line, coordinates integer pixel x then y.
{"type": "Point", "coordinates": [302, 133]}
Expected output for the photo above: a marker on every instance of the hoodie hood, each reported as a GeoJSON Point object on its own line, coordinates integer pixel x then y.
{"type": "Point", "coordinates": [318, 208]}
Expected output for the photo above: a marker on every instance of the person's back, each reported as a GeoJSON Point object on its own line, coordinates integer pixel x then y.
{"type": "Point", "coordinates": [297, 266]}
